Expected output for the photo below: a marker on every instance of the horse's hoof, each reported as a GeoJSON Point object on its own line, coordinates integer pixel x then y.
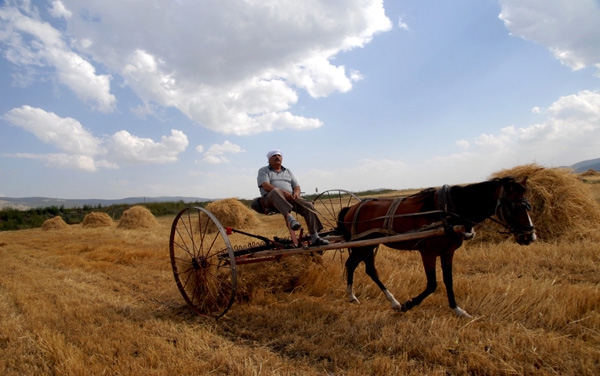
{"type": "Point", "coordinates": [355, 301]}
{"type": "Point", "coordinates": [462, 313]}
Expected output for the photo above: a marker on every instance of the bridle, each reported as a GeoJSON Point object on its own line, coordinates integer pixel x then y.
{"type": "Point", "coordinates": [504, 209]}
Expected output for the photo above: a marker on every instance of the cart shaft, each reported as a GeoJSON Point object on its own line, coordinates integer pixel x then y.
{"type": "Point", "coordinates": [359, 243]}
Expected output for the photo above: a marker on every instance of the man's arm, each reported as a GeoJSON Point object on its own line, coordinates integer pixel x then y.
{"type": "Point", "coordinates": [291, 197]}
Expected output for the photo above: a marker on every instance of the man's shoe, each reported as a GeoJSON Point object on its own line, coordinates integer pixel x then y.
{"type": "Point", "coordinates": [319, 241]}
{"type": "Point", "coordinates": [294, 224]}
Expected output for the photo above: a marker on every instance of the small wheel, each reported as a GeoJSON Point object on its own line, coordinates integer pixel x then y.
{"type": "Point", "coordinates": [203, 262]}
{"type": "Point", "coordinates": [329, 203]}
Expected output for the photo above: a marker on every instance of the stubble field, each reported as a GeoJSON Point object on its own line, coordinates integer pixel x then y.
{"type": "Point", "coordinates": [81, 301]}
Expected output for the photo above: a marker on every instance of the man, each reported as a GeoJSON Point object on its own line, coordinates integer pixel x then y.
{"type": "Point", "coordinates": [281, 191]}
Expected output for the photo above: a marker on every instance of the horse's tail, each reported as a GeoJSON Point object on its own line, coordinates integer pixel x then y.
{"type": "Point", "coordinates": [341, 223]}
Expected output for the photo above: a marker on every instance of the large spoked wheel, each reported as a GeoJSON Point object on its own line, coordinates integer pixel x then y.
{"type": "Point", "coordinates": [203, 262]}
{"type": "Point", "coordinates": [329, 203]}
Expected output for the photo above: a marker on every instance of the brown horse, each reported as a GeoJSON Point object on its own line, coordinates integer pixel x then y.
{"type": "Point", "coordinates": [447, 206]}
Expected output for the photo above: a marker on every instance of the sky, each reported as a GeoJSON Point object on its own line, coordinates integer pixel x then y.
{"type": "Point", "coordinates": [112, 99]}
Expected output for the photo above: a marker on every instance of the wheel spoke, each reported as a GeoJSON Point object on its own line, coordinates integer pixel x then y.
{"type": "Point", "coordinates": [197, 244]}
{"type": "Point", "coordinates": [330, 203]}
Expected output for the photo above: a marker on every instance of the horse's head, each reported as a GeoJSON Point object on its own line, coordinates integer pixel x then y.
{"type": "Point", "coordinates": [513, 209]}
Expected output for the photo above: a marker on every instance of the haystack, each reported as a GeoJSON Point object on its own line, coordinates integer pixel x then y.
{"type": "Point", "coordinates": [562, 205]}
{"type": "Point", "coordinates": [55, 223]}
{"type": "Point", "coordinates": [590, 172]}
{"type": "Point", "coordinates": [232, 213]}
{"type": "Point", "coordinates": [137, 217]}
{"type": "Point", "coordinates": [95, 220]}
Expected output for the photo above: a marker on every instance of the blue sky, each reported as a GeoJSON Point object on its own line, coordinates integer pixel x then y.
{"type": "Point", "coordinates": [115, 99]}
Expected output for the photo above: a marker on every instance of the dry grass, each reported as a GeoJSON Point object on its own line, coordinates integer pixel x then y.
{"type": "Point", "coordinates": [103, 301]}
{"type": "Point", "coordinates": [137, 217]}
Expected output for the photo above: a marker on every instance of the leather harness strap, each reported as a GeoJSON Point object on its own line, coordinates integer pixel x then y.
{"type": "Point", "coordinates": [388, 222]}
{"type": "Point", "coordinates": [444, 200]}
{"type": "Point", "coordinates": [353, 234]}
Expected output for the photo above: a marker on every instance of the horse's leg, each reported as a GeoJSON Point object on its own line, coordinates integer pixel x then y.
{"type": "Point", "coordinates": [446, 260]}
{"type": "Point", "coordinates": [429, 266]}
{"type": "Point", "coordinates": [372, 272]}
{"type": "Point", "coordinates": [355, 257]}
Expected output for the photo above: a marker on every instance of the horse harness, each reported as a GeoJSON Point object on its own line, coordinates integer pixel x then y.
{"type": "Point", "coordinates": [388, 220]}
{"type": "Point", "coordinates": [443, 204]}
{"type": "Point", "coordinates": [502, 211]}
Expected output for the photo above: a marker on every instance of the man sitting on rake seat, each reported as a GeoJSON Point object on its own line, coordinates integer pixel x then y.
{"type": "Point", "coordinates": [281, 191]}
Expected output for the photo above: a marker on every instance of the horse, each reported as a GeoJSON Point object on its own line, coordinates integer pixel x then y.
{"type": "Point", "coordinates": [448, 206]}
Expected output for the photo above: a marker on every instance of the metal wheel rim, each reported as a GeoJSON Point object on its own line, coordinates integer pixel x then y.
{"type": "Point", "coordinates": [203, 262]}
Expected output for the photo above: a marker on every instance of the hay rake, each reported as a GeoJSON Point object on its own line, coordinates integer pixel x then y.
{"type": "Point", "coordinates": [205, 262]}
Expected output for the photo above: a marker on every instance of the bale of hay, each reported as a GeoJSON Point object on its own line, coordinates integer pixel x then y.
{"type": "Point", "coordinates": [232, 213]}
{"type": "Point", "coordinates": [95, 220]}
{"type": "Point", "coordinates": [56, 223]}
{"type": "Point", "coordinates": [562, 205]}
{"type": "Point", "coordinates": [137, 217]}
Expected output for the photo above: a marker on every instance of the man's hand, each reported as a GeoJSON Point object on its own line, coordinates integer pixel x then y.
{"type": "Point", "coordinates": [296, 193]}
{"type": "Point", "coordinates": [291, 197]}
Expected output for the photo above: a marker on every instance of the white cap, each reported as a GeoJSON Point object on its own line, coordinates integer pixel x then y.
{"type": "Point", "coordinates": [273, 152]}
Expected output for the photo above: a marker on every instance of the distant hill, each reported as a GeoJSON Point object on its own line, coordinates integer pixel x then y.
{"type": "Point", "coordinates": [25, 203]}
{"type": "Point", "coordinates": [592, 164]}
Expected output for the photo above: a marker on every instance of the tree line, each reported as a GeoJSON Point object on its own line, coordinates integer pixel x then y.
{"type": "Point", "coordinates": [13, 219]}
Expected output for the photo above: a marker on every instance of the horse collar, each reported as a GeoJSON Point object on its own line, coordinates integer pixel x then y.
{"type": "Point", "coordinates": [444, 200]}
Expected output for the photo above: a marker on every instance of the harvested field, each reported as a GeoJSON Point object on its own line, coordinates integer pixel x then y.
{"type": "Point", "coordinates": [104, 301]}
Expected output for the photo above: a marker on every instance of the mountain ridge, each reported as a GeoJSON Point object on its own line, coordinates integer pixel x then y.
{"type": "Point", "coordinates": [590, 164]}
{"type": "Point", "coordinates": [25, 203]}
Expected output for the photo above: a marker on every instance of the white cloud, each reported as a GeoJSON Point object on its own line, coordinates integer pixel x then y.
{"type": "Point", "coordinates": [463, 144]}
{"type": "Point", "coordinates": [403, 25]}
{"type": "Point", "coordinates": [62, 160]}
{"type": "Point", "coordinates": [31, 43]}
{"type": "Point", "coordinates": [237, 70]}
{"type": "Point", "coordinates": [66, 134]}
{"type": "Point", "coordinates": [58, 10]}
{"type": "Point", "coordinates": [569, 134]}
{"type": "Point", "coordinates": [216, 153]}
{"type": "Point", "coordinates": [571, 31]}
{"type": "Point", "coordinates": [81, 148]}
{"type": "Point", "coordinates": [136, 150]}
